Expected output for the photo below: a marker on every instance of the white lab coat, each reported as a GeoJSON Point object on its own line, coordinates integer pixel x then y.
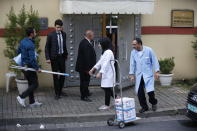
{"type": "Point", "coordinates": [144, 65]}
{"type": "Point", "coordinates": [106, 67]}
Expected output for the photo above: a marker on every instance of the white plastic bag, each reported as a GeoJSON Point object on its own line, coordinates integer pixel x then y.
{"type": "Point", "coordinates": [126, 109]}
{"type": "Point", "coordinates": [18, 61]}
{"type": "Point", "coordinates": [129, 115]}
{"type": "Point", "coordinates": [128, 103]}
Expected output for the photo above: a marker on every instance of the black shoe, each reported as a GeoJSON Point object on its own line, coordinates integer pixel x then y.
{"type": "Point", "coordinates": [90, 94]}
{"type": "Point", "coordinates": [63, 94]}
{"type": "Point", "coordinates": [57, 97]}
{"type": "Point", "coordinates": [143, 110]}
{"type": "Point", "coordinates": [154, 107]}
{"type": "Point", "coordinates": [86, 99]}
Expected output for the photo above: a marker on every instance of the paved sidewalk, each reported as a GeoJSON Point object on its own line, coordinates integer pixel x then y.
{"type": "Point", "coordinates": [71, 108]}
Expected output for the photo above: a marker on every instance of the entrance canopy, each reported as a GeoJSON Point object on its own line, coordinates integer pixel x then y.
{"type": "Point", "coordinates": [106, 6]}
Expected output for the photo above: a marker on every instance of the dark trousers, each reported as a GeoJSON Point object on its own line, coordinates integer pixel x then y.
{"type": "Point", "coordinates": [32, 79]}
{"type": "Point", "coordinates": [108, 95]}
{"type": "Point", "coordinates": [84, 84]}
{"type": "Point", "coordinates": [58, 65]}
{"type": "Point", "coordinates": [142, 97]}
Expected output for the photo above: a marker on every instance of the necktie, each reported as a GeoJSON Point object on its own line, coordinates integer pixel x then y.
{"type": "Point", "coordinates": [59, 43]}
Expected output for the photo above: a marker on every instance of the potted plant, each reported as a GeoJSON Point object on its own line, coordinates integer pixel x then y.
{"type": "Point", "coordinates": [166, 67]}
{"type": "Point", "coordinates": [14, 33]}
{"type": "Point", "coordinates": [194, 46]}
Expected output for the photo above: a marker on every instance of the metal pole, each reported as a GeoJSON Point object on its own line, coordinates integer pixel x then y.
{"type": "Point", "coordinates": [43, 71]}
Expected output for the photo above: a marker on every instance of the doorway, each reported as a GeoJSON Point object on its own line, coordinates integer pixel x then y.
{"type": "Point", "coordinates": [75, 27]}
{"type": "Point", "coordinates": [119, 28]}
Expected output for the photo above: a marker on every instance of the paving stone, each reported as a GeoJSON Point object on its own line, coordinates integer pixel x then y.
{"type": "Point", "coordinates": [72, 105]}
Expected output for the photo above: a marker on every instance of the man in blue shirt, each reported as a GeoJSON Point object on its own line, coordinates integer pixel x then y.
{"type": "Point", "coordinates": [144, 68]}
{"type": "Point", "coordinates": [28, 58]}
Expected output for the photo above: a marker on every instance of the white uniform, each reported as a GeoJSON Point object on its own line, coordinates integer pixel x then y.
{"type": "Point", "coordinates": [144, 63]}
{"type": "Point", "coordinates": [106, 66]}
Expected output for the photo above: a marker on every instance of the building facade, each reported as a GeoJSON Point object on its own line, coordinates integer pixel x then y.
{"type": "Point", "coordinates": [148, 19]}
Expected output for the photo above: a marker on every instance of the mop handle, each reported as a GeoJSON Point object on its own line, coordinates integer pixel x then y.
{"type": "Point", "coordinates": [43, 71]}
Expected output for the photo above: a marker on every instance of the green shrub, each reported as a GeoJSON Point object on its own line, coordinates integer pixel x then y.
{"type": "Point", "coordinates": [194, 45]}
{"type": "Point", "coordinates": [166, 65]}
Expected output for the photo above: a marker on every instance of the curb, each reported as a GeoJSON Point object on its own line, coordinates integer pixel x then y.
{"type": "Point", "coordinates": [86, 117]}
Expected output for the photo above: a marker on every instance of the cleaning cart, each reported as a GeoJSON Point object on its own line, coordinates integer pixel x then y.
{"type": "Point", "coordinates": [124, 106]}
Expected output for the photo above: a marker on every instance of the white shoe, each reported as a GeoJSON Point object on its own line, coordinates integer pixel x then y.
{"type": "Point", "coordinates": [35, 104]}
{"type": "Point", "coordinates": [104, 107]}
{"type": "Point", "coordinates": [21, 101]}
{"type": "Point", "coordinates": [101, 107]}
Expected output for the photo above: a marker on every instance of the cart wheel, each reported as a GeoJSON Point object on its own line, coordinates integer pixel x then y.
{"type": "Point", "coordinates": [110, 122]}
{"type": "Point", "coordinates": [121, 125]}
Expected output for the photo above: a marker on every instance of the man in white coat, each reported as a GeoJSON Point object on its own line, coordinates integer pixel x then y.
{"type": "Point", "coordinates": [144, 69]}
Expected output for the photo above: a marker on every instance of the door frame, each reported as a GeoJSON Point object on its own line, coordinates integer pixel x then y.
{"type": "Point", "coordinates": [69, 29]}
{"type": "Point", "coordinates": [75, 30]}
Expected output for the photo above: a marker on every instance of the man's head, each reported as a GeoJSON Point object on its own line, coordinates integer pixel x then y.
{"type": "Point", "coordinates": [58, 25]}
{"type": "Point", "coordinates": [31, 32]}
{"type": "Point", "coordinates": [89, 34]}
{"type": "Point", "coordinates": [137, 44]}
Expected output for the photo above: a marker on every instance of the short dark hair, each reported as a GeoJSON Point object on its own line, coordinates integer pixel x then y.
{"type": "Point", "coordinates": [29, 30]}
{"type": "Point", "coordinates": [139, 41]}
{"type": "Point", "coordinates": [58, 22]}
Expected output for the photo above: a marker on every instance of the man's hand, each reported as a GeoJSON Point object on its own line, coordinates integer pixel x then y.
{"type": "Point", "coordinates": [39, 70]}
{"type": "Point", "coordinates": [99, 75]}
{"type": "Point", "coordinates": [86, 72]}
{"type": "Point", "coordinates": [48, 61]}
{"type": "Point", "coordinates": [92, 71]}
{"type": "Point", "coordinates": [156, 75]}
{"type": "Point", "coordinates": [132, 78]}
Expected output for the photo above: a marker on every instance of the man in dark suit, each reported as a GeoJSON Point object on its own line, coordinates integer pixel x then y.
{"type": "Point", "coordinates": [56, 54]}
{"type": "Point", "coordinates": [85, 61]}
